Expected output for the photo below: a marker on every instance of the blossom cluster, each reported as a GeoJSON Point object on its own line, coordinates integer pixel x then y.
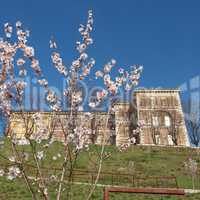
{"type": "Point", "coordinates": [80, 67]}
{"type": "Point", "coordinates": [13, 90]}
{"type": "Point", "coordinates": [40, 126]}
{"type": "Point", "coordinates": [58, 63]}
{"type": "Point", "coordinates": [81, 47]}
{"type": "Point", "coordinates": [191, 166]}
{"type": "Point", "coordinates": [81, 134]}
{"type": "Point", "coordinates": [5, 99]}
{"type": "Point", "coordinates": [13, 173]}
{"type": "Point", "coordinates": [125, 79]}
{"type": "Point", "coordinates": [8, 51]}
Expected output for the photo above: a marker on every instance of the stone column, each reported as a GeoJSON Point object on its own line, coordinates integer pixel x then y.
{"type": "Point", "coordinates": [122, 123]}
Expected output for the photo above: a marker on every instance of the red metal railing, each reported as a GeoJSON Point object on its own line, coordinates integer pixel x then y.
{"type": "Point", "coordinates": [154, 191]}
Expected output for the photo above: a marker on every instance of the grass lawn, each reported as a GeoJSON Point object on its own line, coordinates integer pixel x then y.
{"type": "Point", "coordinates": [16, 190]}
{"type": "Point", "coordinates": [148, 161]}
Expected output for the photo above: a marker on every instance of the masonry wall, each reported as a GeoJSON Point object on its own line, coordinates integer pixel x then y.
{"type": "Point", "coordinates": [150, 104]}
{"type": "Point", "coordinates": [56, 123]}
{"type": "Point", "coordinates": [161, 114]}
{"type": "Point", "coordinates": [122, 123]}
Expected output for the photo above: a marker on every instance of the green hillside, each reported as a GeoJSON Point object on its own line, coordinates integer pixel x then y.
{"type": "Point", "coordinates": [138, 166]}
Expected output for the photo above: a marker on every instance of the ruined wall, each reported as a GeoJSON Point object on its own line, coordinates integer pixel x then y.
{"type": "Point", "coordinates": [55, 124]}
{"type": "Point", "coordinates": [122, 123]}
{"type": "Point", "coordinates": [161, 114]}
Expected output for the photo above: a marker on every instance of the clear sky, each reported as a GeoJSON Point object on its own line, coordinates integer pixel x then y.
{"type": "Point", "coordinates": [164, 36]}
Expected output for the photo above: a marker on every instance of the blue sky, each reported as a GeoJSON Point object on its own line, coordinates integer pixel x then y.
{"type": "Point", "coordinates": [164, 36]}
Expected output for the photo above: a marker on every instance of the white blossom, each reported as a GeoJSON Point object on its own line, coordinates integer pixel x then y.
{"type": "Point", "coordinates": [53, 44]}
{"type": "Point", "coordinates": [76, 64]}
{"type": "Point", "coordinates": [77, 97]}
{"type": "Point", "coordinates": [21, 85]}
{"type": "Point", "coordinates": [20, 62]}
{"type": "Point", "coordinates": [35, 63]}
{"type": "Point", "coordinates": [51, 97]}
{"type": "Point", "coordinates": [83, 56]}
{"type": "Point", "coordinates": [54, 158]}
{"type": "Point", "coordinates": [113, 62]}
{"type": "Point", "coordinates": [101, 94]}
{"type": "Point", "coordinates": [43, 82]}
{"type": "Point", "coordinates": [13, 172]}
{"type": "Point", "coordinates": [11, 158]}
{"type": "Point", "coordinates": [8, 30]}
{"type": "Point", "coordinates": [53, 178]}
{"type": "Point", "coordinates": [128, 87]}
{"type": "Point", "coordinates": [18, 24]}
{"type": "Point", "coordinates": [2, 172]}
{"type": "Point", "coordinates": [29, 51]}
{"type": "Point", "coordinates": [22, 72]}
{"type": "Point", "coordinates": [26, 156]}
{"type": "Point", "coordinates": [45, 191]}
{"type": "Point", "coordinates": [59, 155]}
{"type": "Point", "coordinates": [92, 104]}
{"type": "Point", "coordinates": [58, 63]}
{"type": "Point", "coordinates": [23, 141]}
{"type": "Point", "coordinates": [55, 107]}
{"type": "Point", "coordinates": [99, 74]}
{"type": "Point", "coordinates": [121, 70]}
{"type": "Point", "coordinates": [81, 47]}
{"type": "Point", "coordinates": [80, 108]}
{"type": "Point", "coordinates": [40, 155]}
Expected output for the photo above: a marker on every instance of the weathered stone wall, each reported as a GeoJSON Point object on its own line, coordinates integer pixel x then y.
{"type": "Point", "coordinates": [56, 124]}
{"type": "Point", "coordinates": [161, 114]}
{"type": "Point", "coordinates": [162, 107]}
{"type": "Point", "coordinates": [122, 123]}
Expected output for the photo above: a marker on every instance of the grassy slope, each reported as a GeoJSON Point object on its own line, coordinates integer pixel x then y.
{"type": "Point", "coordinates": [16, 190]}
{"type": "Point", "coordinates": [149, 161]}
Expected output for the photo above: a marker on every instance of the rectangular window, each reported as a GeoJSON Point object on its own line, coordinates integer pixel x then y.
{"type": "Point", "coordinates": [157, 139]}
{"type": "Point", "coordinates": [155, 121]}
{"type": "Point", "coordinates": [170, 141]}
{"type": "Point", "coordinates": [152, 102]}
{"type": "Point", "coordinates": [167, 121]}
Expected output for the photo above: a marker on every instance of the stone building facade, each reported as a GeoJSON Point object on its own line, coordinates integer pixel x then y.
{"type": "Point", "coordinates": [159, 112]}
{"type": "Point", "coordinates": [56, 124]}
{"type": "Point", "coordinates": [161, 116]}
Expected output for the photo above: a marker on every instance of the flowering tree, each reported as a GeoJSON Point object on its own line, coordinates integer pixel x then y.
{"type": "Point", "coordinates": [191, 167]}
{"type": "Point", "coordinates": [75, 132]}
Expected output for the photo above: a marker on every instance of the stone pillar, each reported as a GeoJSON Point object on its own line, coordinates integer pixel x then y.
{"type": "Point", "coordinates": [122, 123]}
{"type": "Point", "coordinates": [103, 133]}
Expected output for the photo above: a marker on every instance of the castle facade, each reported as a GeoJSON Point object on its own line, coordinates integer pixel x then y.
{"type": "Point", "coordinates": [158, 112]}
